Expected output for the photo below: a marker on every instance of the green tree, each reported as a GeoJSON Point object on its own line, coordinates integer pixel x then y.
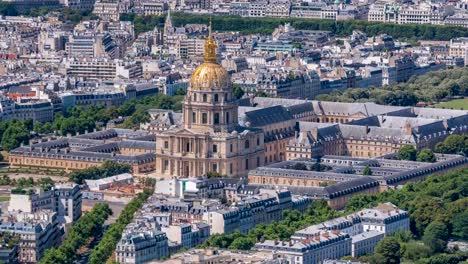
{"type": "Point", "coordinates": [180, 91]}
{"type": "Point", "coordinates": [453, 144]}
{"type": "Point", "coordinates": [242, 243]}
{"type": "Point", "coordinates": [416, 250]}
{"type": "Point", "coordinates": [14, 135]}
{"type": "Point", "coordinates": [112, 235]}
{"type": "Point", "coordinates": [238, 92]}
{"type": "Point", "coordinates": [426, 155]}
{"type": "Point", "coordinates": [8, 9]}
{"type": "Point", "coordinates": [460, 225]}
{"type": "Point", "coordinates": [89, 225]}
{"type": "Point", "coordinates": [387, 251]}
{"type": "Point", "coordinates": [407, 152]}
{"type": "Point", "coordinates": [261, 94]}
{"type": "Point", "coordinates": [367, 171]}
{"type": "Point", "coordinates": [436, 236]}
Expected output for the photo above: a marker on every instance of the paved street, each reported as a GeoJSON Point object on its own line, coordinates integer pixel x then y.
{"type": "Point", "coordinates": [116, 207]}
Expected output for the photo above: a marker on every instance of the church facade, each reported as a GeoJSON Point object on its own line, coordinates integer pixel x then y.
{"type": "Point", "coordinates": [210, 139]}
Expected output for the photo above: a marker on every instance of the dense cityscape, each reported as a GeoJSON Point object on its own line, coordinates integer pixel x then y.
{"type": "Point", "coordinates": [233, 131]}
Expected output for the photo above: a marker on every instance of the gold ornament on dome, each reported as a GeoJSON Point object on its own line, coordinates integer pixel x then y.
{"type": "Point", "coordinates": [210, 75]}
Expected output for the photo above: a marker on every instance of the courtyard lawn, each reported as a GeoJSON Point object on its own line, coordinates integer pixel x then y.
{"type": "Point", "coordinates": [456, 104]}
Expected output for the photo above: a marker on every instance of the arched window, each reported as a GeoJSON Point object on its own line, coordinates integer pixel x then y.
{"type": "Point", "coordinates": [204, 98]}
{"type": "Point", "coordinates": [216, 119]}
{"type": "Point", "coordinates": [247, 144]}
{"type": "Point", "coordinates": [216, 97]}
{"type": "Point", "coordinates": [195, 97]}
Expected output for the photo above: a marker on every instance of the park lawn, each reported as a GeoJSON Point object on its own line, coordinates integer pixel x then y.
{"type": "Point", "coordinates": [455, 104]}
{"type": "Point", "coordinates": [4, 199]}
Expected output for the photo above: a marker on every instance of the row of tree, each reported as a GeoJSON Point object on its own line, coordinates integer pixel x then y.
{"type": "Point", "coordinates": [15, 132]}
{"type": "Point", "coordinates": [409, 152]}
{"type": "Point", "coordinates": [266, 25]}
{"type": "Point", "coordinates": [88, 226]}
{"type": "Point", "coordinates": [454, 144]}
{"type": "Point", "coordinates": [430, 87]}
{"type": "Point", "coordinates": [66, 14]}
{"type": "Point", "coordinates": [101, 253]}
{"type": "Point", "coordinates": [107, 169]}
{"type": "Point", "coordinates": [437, 209]}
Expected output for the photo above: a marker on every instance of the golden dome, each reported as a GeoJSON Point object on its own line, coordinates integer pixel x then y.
{"type": "Point", "coordinates": [210, 75]}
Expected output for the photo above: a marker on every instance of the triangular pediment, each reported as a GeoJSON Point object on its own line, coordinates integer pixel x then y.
{"type": "Point", "coordinates": [182, 132]}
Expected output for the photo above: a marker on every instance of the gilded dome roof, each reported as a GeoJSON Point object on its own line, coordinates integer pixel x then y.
{"type": "Point", "coordinates": [210, 75]}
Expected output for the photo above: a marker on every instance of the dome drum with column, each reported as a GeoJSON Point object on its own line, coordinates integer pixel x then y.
{"type": "Point", "coordinates": [210, 104]}
{"type": "Point", "coordinates": [210, 139]}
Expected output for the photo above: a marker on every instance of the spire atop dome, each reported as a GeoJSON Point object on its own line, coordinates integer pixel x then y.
{"type": "Point", "coordinates": [210, 47]}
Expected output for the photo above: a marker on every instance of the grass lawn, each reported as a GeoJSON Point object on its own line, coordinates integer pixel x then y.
{"type": "Point", "coordinates": [4, 199]}
{"type": "Point", "coordinates": [455, 104]}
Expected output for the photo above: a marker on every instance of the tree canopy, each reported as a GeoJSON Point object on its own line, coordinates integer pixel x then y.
{"type": "Point", "coordinates": [407, 152]}
{"type": "Point", "coordinates": [111, 237]}
{"type": "Point", "coordinates": [266, 25]}
{"type": "Point", "coordinates": [430, 87]}
{"type": "Point", "coordinates": [107, 169]}
{"type": "Point", "coordinates": [89, 225]}
{"type": "Point", "coordinates": [426, 155]}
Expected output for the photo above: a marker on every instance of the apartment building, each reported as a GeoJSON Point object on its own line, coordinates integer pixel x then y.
{"type": "Point", "coordinates": [366, 228]}
{"type": "Point", "coordinates": [381, 11]}
{"type": "Point", "coordinates": [153, 8]}
{"type": "Point", "coordinates": [103, 69]}
{"type": "Point", "coordinates": [141, 247]}
{"type": "Point", "coordinates": [107, 10]}
{"type": "Point", "coordinates": [458, 48]}
{"type": "Point", "coordinates": [187, 235]}
{"type": "Point", "coordinates": [37, 110]}
{"type": "Point", "coordinates": [91, 45]}
{"type": "Point", "coordinates": [63, 199]}
{"type": "Point", "coordinates": [321, 246]}
{"type": "Point", "coordinates": [38, 232]}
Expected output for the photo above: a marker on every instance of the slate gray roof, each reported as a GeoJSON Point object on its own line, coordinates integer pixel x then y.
{"type": "Point", "coordinates": [266, 116]}
{"type": "Point", "coordinates": [148, 145]}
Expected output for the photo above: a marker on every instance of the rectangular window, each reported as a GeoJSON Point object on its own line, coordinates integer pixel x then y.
{"type": "Point", "coordinates": [231, 148]}
{"type": "Point", "coordinates": [215, 148]}
{"type": "Point", "coordinates": [204, 118]}
{"type": "Point", "coordinates": [194, 117]}
{"type": "Point", "coordinates": [216, 119]}
{"type": "Point", "coordinates": [166, 144]}
{"type": "Point", "coordinates": [247, 164]}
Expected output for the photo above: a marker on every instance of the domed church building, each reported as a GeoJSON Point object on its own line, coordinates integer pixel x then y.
{"type": "Point", "coordinates": [210, 138]}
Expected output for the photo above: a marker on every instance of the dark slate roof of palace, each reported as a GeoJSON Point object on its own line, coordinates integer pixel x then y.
{"type": "Point", "coordinates": [341, 188]}
{"type": "Point", "coordinates": [266, 116]}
